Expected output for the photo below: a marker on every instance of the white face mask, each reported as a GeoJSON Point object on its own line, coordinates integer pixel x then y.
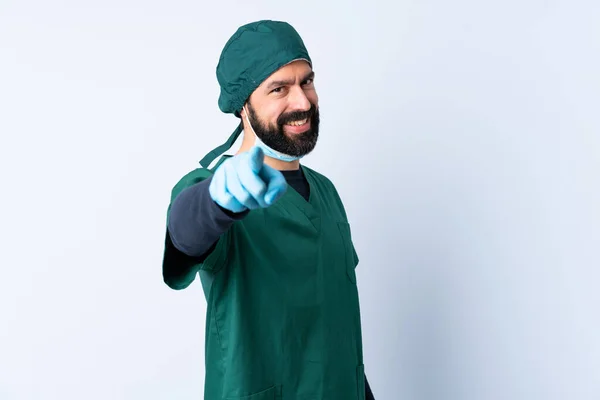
{"type": "Point", "coordinates": [266, 149]}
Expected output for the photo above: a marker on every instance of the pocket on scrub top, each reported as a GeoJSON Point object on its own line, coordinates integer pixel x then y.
{"type": "Point", "coordinates": [351, 259]}
{"type": "Point", "coordinates": [267, 394]}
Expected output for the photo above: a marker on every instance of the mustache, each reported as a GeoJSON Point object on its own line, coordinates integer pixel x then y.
{"type": "Point", "coordinates": [295, 116]}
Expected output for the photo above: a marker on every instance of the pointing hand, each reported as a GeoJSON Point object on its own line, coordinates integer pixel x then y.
{"type": "Point", "coordinates": [245, 182]}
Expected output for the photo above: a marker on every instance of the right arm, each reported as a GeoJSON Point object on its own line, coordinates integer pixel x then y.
{"type": "Point", "coordinates": [195, 224]}
{"type": "Point", "coordinates": [204, 207]}
{"type": "Point", "coordinates": [197, 221]}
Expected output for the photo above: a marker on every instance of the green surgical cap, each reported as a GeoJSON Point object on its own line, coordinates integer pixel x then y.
{"type": "Point", "coordinates": [251, 55]}
{"type": "Point", "coordinates": [254, 52]}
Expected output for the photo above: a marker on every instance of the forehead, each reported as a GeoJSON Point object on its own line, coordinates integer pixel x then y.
{"type": "Point", "coordinates": [295, 69]}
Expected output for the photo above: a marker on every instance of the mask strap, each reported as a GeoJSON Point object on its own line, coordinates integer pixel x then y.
{"type": "Point", "coordinates": [250, 125]}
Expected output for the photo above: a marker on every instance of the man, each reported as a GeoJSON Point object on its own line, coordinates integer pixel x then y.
{"type": "Point", "coordinates": [269, 237]}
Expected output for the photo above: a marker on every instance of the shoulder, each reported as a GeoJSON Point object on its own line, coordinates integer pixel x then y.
{"type": "Point", "coordinates": [320, 178]}
{"type": "Point", "coordinates": [190, 178]}
{"type": "Point", "coordinates": [195, 175]}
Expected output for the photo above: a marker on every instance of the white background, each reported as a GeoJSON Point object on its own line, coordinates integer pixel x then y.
{"type": "Point", "coordinates": [464, 137]}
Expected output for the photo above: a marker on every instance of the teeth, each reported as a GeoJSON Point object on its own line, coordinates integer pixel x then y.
{"type": "Point", "coordinates": [298, 123]}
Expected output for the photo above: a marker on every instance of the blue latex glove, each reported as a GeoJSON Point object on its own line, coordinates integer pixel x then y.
{"type": "Point", "coordinates": [244, 182]}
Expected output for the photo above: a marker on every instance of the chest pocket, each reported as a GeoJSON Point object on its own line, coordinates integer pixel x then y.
{"type": "Point", "coordinates": [351, 258]}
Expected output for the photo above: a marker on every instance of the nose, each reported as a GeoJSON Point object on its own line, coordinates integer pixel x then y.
{"type": "Point", "coordinates": [298, 100]}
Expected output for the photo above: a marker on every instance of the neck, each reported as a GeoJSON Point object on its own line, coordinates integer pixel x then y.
{"type": "Point", "coordinates": [282, 165]}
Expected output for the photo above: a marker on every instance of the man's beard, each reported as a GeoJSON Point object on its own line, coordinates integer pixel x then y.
{"type": "Point", "coordinates": [274, 136]}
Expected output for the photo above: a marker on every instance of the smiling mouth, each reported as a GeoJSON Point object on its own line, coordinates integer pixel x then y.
{"type": "Point", "coordinates": [298, 123]}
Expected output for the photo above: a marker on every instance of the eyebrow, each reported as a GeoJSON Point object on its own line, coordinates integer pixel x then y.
{"type": "Point", "coordinates": [286, 82]}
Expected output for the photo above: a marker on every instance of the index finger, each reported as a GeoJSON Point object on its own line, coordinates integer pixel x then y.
{"type": "Point", "coordinates": [276, 183]}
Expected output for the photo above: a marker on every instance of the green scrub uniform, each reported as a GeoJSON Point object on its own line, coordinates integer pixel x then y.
{"type": "Point", "coordinates": [283, 318]}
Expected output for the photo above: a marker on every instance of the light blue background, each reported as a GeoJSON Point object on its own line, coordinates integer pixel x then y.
{"type": "Point", "coordinates": [464, 137]}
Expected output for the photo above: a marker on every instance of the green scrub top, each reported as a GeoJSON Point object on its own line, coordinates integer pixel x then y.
{"type": "Point", "coordinates": [283, 317]}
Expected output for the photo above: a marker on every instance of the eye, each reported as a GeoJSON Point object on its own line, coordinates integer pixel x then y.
{"type": "Point", "coordinates": [308, 82]}
{"type": "Point", "coordinates": [277, 90]}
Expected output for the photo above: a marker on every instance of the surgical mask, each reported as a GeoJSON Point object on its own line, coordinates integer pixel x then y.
{"type": "Point", "coordinates": [268, 150]}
